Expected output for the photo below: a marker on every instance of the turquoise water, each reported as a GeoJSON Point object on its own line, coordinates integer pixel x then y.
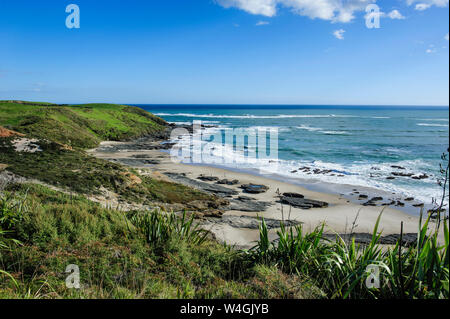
{"type": "Point", "coordinates": [360, 144]}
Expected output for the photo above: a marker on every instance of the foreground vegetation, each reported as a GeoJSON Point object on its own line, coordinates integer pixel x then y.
{"type": "Point", "coordinates": [133, 255]}
{"type": "Point", "coordinates": [152, 254]}
{"type": "Point", "coordinates": [340, 268]}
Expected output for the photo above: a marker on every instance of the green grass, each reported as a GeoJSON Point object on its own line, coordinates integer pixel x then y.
{"type": "Point", "coordinates": [118, 259]}
{"type": "Point", "coordinates": [80, 126]}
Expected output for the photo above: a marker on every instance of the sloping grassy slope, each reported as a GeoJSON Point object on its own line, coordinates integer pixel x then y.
{"type": "Point", "coordinates": [116, 260]}
{"type": "Point", "coordinates": [81, 126]}
{"type": "Point", "coordinates": [74, 170]}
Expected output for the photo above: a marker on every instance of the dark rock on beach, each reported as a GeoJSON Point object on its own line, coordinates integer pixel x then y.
{"type": "Point", "coordinates": [295, 195]}
{"type": "Point", "coordinates": [254, 222]}
{"type": "Point", "coordinates": [208, 178]}
{"type": "Point", "coordinates": [408, 240]}
{"type": "Point", "coordinates": [210, 188]}
{"type": "Point", "coordinates": [302, 203]}
{"type": "Point", "coordinates": [247, 204]}
{"type": "Point", "coordinates": [228, 182]}
{"type": "Point", "coordinates": [254, 188]}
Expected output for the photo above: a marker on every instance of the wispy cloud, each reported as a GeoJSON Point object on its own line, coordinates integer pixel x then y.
{"type": "Point", "coordinates": [339, 34]}
{"type": "Point", "coordinates": [260, 23]}
{"type": "Point", "coordinates": [422, 5]}
{"type": "Point", "coordinates": [446, 37]}
{"type": "Point", "coordinates": [431, 49]}
{"type": "Point", "coordinates": [332, 10]}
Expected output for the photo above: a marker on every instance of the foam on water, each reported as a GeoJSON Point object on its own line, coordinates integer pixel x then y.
{"type": "Point", "coordinates": [361, 145]}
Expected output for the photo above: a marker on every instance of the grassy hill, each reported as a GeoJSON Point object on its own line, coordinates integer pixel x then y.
{"type": "Point", "coordinates": [61, 132]}
{"type": "Point", "coordinates": [81, 126]}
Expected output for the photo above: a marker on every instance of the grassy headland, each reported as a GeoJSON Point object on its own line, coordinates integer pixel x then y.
{"type": "Point", "coordinates": [79, 126]}
{"type": "Point", "coordinates": [61, 133]}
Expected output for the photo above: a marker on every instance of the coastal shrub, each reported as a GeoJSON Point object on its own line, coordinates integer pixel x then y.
{"type": "Point", "coordinates": [340, 268]}
{"type": "Point", "coordinates": [160, 227]}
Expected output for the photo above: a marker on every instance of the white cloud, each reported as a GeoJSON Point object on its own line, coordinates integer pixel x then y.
{"type": "Point", "coordinates": [339, 34]}
{"type": "Point", "coordinates": [422, 6]}
{"type": "Point", "coordinates": [446, 36]}
{"type": "Point", "coordinates": [332, 10]}
{"type": "Point", "coordinates": [261, 7]}
{"type": "Point", "coordinates": [395, 14]}
{"type": "Point", "coordinates": [260, 23]}
{"type": "Point", "coordinates": [425, 4]}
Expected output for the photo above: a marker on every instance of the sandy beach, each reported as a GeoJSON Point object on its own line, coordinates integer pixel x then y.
{"type": "Point", "coordinates": [342, 216]}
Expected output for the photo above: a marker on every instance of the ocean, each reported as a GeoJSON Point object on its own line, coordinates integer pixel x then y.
{"type": "Point", "coordinates": [356, 146]}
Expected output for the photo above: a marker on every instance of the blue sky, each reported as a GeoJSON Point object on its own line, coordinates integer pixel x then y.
{"type": "Point", "coordinates": [225, 52]}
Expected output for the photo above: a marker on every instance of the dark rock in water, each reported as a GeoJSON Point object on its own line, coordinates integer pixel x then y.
{"type": "Point", "coordinates": [399, 203]}
{"type": "Point", "coordinates": [402, 174]}
{"type": "Point", "coordinates": [208, 178]}
{"type": "Point", "coordinates": [390, 177]}
{"type": "Point", "coordinates": [254, 188]}
{"type": "Point", "coordinates": [210, 188]}
{"type": "Point", "coordinates": [294, 171]}
{"type": "Point", "coordinates": [419, 205]}
{"type": "Point", "coordinates": [398, 167]}
{"type": "Point", "coordinates": [363, 196]}
{"type": "Point", "coordinates": [295, 195]}
{"type": "Point", "coordinates": [375, 199]}
{"type": "Point", "coordinates": [302, 202]}
{"type": "Point", "coordinates": [419, 177]}
{"type": "Point", "coordinates": [409, 199]}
